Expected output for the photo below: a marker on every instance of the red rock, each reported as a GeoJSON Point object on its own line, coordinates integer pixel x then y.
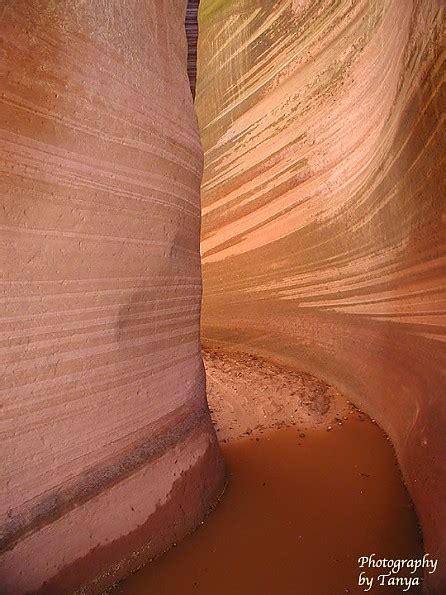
{"type": "Point", "coordinates": [323, 239]}
{"type": "Point", "coordinates": [108, 452]}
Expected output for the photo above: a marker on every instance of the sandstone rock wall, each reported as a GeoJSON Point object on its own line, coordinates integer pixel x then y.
{"type": "Point", "coordinates": [323, 208]}
{"type": "Point", "coordinates": [192, 41]}
{"type": "Point", "coordinates": [108, 455]}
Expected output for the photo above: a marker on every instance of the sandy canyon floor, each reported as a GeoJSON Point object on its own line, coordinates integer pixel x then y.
{"type": "Point", "coordinates": [313, 485]}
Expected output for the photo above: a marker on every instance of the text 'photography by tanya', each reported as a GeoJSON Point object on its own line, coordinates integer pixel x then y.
{"type": "Point", "coordinates": [396, 572]}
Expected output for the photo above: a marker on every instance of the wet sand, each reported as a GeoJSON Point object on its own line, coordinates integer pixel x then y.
{"type": "Point", "coordinates": [306, 495]}
{"type": "Point", "coordinates": [248, 394]}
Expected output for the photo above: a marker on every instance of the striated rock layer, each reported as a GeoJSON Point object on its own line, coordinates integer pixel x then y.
{"type": "Point", "coordinates": [108, 453]}
{"type": "Point", "coordinates": [191, 23]}
{"type": "Point", "coordinates": [323, 231]}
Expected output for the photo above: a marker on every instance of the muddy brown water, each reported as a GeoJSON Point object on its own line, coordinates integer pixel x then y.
{"type": "Point", "coordinates": [299, 510]}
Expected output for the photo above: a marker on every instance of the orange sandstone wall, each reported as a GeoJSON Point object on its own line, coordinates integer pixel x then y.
{"type": "Point", "coordinates": [108, 454]}
{"type": "Point", "coordinates": [323, 194]}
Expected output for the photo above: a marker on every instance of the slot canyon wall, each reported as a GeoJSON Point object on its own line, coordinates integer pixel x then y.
{"type": "Point", "coordinates": [108, 453]}
{"type": "Point", "coordinates": [323, 209]}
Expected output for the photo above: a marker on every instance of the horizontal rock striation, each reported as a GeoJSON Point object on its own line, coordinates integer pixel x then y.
{"type": "Point", "coordinates": [192, 41]}
{"type": "Point", "coordinates": [108, 453]}
{"type": "Point", "coordinates": [323, 225]}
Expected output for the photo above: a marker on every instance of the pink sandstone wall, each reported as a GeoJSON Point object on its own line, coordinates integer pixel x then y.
{"type": "Point", "coordinates": [323, 208]}
{"type": "Point", "coordinates": [108, 454]}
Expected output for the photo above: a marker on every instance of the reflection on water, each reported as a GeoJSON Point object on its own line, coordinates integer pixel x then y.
{"type": "Point", "coordinates": [298, 512]}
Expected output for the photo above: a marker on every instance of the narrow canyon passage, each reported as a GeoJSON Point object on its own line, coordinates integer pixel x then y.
{"type": "Point", "coordinates": [260, 183]}
{"type": "Point", "coordinates": [313, 485]}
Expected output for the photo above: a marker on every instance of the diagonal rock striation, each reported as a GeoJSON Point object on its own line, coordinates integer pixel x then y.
{"type": "Point", "coordinates": [323, 208]}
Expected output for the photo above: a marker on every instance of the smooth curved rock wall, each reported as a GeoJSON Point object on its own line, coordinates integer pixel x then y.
{"type": "Point", "coordinates": [323, 208]}
{"type": "Point", "coordinates": [108, 453]}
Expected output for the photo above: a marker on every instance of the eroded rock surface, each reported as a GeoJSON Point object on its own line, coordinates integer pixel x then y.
{"type": "Point", "coordinates": [108, 453]}
{"type": "Point", "coordinates": [323, 228]}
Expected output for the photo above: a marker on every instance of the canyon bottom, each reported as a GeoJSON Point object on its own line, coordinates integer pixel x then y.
{"type": "Point", "coordinates": [313, 486]}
